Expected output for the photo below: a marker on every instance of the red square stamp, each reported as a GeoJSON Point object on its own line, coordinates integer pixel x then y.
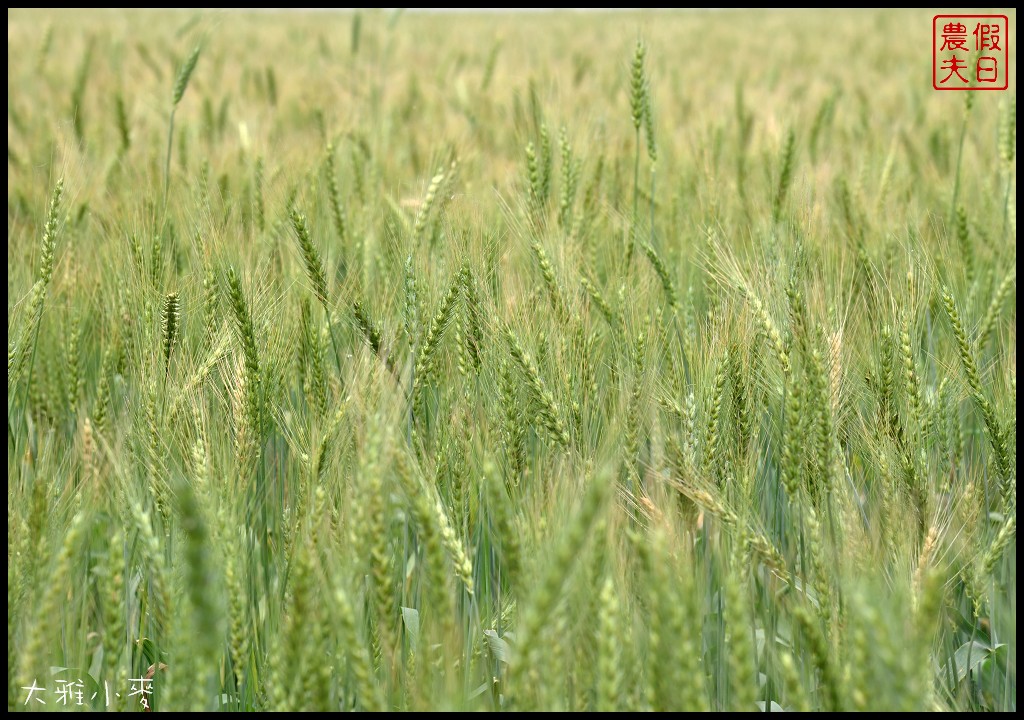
{"type": "Point", "coordinates": [970, 52]}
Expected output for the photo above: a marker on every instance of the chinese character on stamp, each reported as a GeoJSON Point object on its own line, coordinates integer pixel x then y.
{"type": "Point", "coordinates": [970, 52]}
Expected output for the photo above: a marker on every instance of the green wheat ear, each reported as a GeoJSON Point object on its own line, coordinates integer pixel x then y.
{"type": "Point", "coordinates": [310, 256]}
{"type": "Point", "coordinates": [785, 175]}
{"type": "Point", "coordinates": [26, 351]}
{"type": "Point", "coordinates": [180, 85]}
{"type": "Point", "coordinates": [638, 85]}
{"type": "Point", "coordinates": [170, 321]}
{"type": "Point", "coordinates": [185, 74]}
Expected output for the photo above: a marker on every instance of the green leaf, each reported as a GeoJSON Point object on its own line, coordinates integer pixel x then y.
{"type": "Point", "coordinates": [411, 617]}
{"type": "Point", "coordinates": [498, 646]}
{"type": "Point", "coordinates": [480, 690]}
{"type": "Point", "coordinates": [972, 654]}
{"type": "Point", "coordinates": [149, 650]}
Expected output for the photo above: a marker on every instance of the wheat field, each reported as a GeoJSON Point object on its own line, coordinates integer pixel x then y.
{"type": "Point", "coordinates": [555, 361]}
